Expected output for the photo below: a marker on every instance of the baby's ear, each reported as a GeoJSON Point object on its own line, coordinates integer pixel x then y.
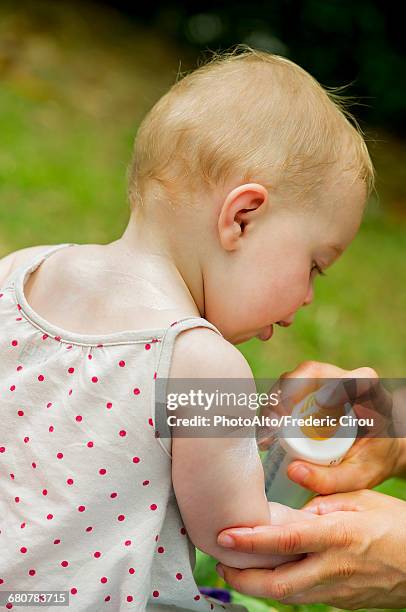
{"type": "Point", "coordinates": [242, 206]}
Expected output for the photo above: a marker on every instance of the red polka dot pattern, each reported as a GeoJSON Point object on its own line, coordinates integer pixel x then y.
{"type": "Point", "coordinates": [91, 481]}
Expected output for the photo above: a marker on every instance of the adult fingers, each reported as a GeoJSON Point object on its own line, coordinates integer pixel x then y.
{"type": "Point", "coordinates": [331, 479]}
{"type": "Point", "coordinates": [284, 581]}
{"type": "Point", "coordinates": [324, 594]}
{"type": "Point", "coordinates": [361, 386]}
{"type": "Point", "coordinates": [302, 537]}
{"type": "Point", "coordinates": [367, 463]}
{"type": "Point", "coordinates": [316, 369]}
{"type": "Point", "coordinates": [341, 502]}
{"type": "Point", "coordinates": [306, 378]}
{"type": "Point", "coordinates": [292, 387]}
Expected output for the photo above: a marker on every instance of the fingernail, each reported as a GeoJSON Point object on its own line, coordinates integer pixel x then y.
{"type": "Point", "coordinates": [226, 541]}
{"type": "Point", "coordinates": [312, 509]}
{"type": "Point", "coordinates": [299, 473]}
{"type": "Point", "coordinates": [220, 570]}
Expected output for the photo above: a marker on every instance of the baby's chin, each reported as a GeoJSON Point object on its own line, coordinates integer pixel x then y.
{"type": "Point", "coordinates": [264, 335]}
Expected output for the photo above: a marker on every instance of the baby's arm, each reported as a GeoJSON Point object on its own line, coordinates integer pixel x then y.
{"type": "Point", "coordinates": [219, 481]}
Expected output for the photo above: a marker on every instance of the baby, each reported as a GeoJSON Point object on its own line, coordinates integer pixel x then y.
{"type": "Point", "coordinates": [247, 180]}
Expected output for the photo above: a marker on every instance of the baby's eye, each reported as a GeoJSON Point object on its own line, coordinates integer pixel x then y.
{"type": "Point", "coordinates": [319, 270]}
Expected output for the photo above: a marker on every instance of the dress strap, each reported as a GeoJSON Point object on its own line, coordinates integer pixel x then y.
{"type": "Point", "coordinates": [21, 271]}
{"type": "Point", "coordinates": [158, 409]}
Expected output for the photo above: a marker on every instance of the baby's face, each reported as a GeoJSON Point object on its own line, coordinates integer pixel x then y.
{"type": "Point", "coordinates": [265, 272]}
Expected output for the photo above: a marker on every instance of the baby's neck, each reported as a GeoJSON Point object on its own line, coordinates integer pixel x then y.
{"type": "Point", "coordinates": [166, 258]}
{"type": "Point", "coordinates": [97, 289]}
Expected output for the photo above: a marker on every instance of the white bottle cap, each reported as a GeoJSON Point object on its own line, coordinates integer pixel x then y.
{"type": "Point", "coordinates": [327, 451]}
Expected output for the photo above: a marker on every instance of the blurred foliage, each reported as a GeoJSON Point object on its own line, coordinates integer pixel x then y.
{"type": "Point", "coordinates": [75, 80]}
{"type": "Point", "coordinates": [338, 41]}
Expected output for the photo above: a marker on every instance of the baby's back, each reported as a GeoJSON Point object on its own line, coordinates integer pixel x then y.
{"type": "Point", "coordinates": [86, 496]}
{"type": "Point", "coordinates": [98, 289]}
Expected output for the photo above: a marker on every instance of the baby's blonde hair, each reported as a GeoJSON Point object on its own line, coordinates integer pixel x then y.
{"type": "Point", "coordinates": [248, 114]}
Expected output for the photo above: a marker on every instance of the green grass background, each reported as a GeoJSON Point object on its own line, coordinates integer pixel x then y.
{"type": "Point", "coordinates": [73, 88]}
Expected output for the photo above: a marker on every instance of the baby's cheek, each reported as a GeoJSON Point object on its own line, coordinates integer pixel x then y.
{"type": "Point", "coordinates": [296, 292]}
{"type": "Point", "coordinates": [283, 300]}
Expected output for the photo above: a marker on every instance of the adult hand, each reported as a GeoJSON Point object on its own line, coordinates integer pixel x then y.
{"type": "Point", "coordinates": [356, 554]}
{"type": "Point", "coordinates": [371, 460]}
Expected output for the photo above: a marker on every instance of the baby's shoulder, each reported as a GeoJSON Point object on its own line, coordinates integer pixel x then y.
{"type": "Point", "coordinates": [201, 352]}
{"type": "Point", "coordinates": [19, 258]}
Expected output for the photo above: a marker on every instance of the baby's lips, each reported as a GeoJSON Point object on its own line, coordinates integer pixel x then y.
{"type": "Point", "coordinates": [284, 323]}
{"type": "Point", "coordinates": [266, 333]}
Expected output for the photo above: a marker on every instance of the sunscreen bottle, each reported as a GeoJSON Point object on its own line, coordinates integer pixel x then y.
{"type": "Point", "coordinates": [325, 445]}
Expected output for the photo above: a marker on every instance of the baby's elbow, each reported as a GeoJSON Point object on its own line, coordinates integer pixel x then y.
{"type": "Point", "coordinates": [243, 560]}
{"type": "Point", "coordinates": [207, 543]}
{"type": "Point", "coordinates": [227, 557]}
{"type": "Point", "coordinates": [209, 546]}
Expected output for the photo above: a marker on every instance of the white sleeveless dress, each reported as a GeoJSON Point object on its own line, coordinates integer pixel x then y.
{"type": "Point", "coordinates": [86, 498]}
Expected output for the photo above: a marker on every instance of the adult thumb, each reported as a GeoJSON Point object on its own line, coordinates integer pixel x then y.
{"type": "Point", "coordinates": [327, 479]}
